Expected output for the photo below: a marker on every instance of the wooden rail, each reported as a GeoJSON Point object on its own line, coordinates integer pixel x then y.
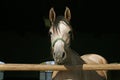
{"type": "Point", "coordinates": [39, 67]}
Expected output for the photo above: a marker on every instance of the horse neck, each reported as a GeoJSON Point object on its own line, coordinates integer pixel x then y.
{"type": "Point", "coordinates": [74, 58]}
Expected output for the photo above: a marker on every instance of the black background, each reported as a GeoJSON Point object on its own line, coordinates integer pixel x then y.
{"type": "Point", "coordinates": [24, 36]}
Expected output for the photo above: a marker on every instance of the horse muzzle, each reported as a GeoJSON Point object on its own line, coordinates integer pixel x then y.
{"type": "Point", "coordinates": [59, 58]}
{"type": "Point", "coordinates": [59, 53]}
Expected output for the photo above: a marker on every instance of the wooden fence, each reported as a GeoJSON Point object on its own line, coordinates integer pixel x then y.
{"type": "Point", "coordinates": [39, 67]}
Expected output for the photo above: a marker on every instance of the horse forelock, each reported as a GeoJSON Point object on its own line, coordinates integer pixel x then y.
{"type": "Point", "coordinates": [57, 21]}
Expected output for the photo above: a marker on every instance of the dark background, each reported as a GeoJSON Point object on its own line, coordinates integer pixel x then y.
{"type": "Point", "coordinates": [24, 35]}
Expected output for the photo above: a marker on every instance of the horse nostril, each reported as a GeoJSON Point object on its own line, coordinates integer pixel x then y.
{"type": "Point", "coordinates": [63, 55]}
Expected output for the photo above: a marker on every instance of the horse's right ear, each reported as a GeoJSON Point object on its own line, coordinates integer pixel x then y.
{"type": "Point", "coordinates": [52, 15]}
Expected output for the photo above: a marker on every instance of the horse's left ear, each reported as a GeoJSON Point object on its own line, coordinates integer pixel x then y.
{"type": "Point", "coordinates": [67, 14]}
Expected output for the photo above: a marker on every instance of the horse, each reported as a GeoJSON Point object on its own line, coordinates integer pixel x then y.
{"type": "Point", "coordinates": [61, 35]}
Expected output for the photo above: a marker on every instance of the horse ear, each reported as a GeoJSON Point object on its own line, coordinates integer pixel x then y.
{"type": "Point", "coordinates": [67, 14]}
{"type": "Point", "coordinates": [52, 15]}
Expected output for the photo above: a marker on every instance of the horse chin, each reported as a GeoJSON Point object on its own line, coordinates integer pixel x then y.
{"type": "Point", "coordinates": [59, 62]}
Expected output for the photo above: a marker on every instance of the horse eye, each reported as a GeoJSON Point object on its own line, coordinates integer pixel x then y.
{"type": "Point", "coordinates": [50, 33]}
{"type": "Point", "coordinates": [70, 32]}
